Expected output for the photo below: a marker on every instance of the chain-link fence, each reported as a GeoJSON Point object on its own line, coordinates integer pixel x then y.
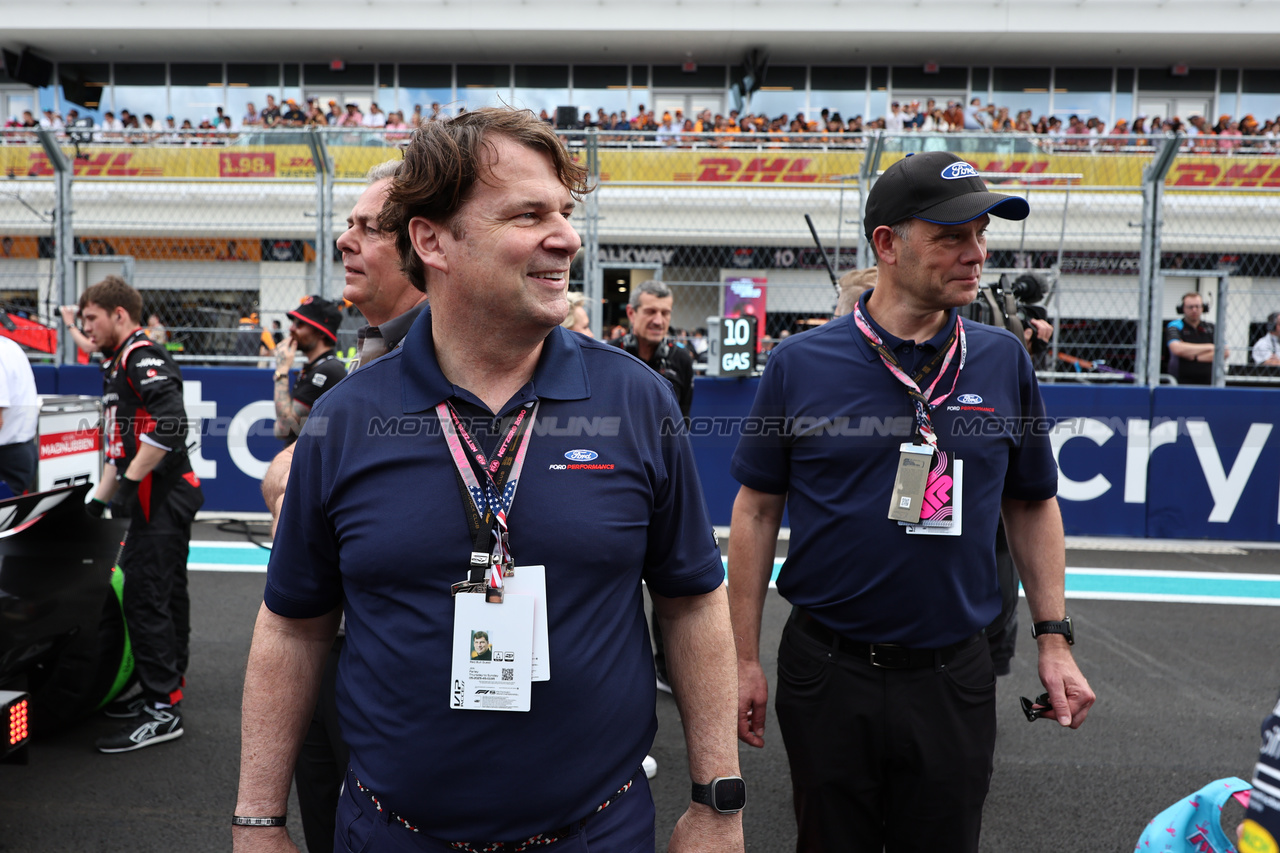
{"type": "Point", "coordinates": [1220, 240]}
{"type": "Point", "coordinates": [220, 231]}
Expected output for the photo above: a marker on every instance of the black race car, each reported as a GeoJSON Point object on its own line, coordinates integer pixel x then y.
{"type": "Point", "coordinates": [62, 633]}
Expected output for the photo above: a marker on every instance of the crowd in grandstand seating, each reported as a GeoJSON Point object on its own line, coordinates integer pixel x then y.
{"type": "Point", "coordinates": [673, 128]}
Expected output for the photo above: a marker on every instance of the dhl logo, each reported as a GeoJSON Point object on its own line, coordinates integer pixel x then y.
{"type": "Point", "coordinates": [794, 170]}
{"type": "Point", "coordinates": [95, 166]}
{"type": "Point", "coordinates": [761, 170]}
{"type": "Point", "coordinates": [1223, 175]}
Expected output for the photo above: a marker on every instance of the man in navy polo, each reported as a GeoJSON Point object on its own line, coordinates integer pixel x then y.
{"type": "Point", "coordinates": [897, 436]}
{"type": "Point", "coordinates": [375, 522]}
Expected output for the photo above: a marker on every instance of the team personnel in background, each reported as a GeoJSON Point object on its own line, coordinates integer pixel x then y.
{"type": "Point", "coordinates": [149, 473]}
{"type": "Point", "coordinates": [390, 302]}
{"type": "Point", "coordinates": [314, 331]}
{"type": "Point", "coordinates": [383, 529]}
{"type": "Point", "coordinates": [1190, 342]}
{"type": "Point", "coordinates": [886, 690]}
{"type": "Point", "coordinates": [649, 313]}
{"type": "Point", "coordinates": [19, 411]}
{"type": "Point", "coordinates": [1266, 350]}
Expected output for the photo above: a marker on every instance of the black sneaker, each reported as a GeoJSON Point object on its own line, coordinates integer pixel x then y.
{"type": "Point", "coordinates": [151, 726]}
{"type": "Point", "coordinates": [124, 709]}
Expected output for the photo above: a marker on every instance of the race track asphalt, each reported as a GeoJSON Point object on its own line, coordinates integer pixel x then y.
{"type": "Point", "coordinates": [1182, 687]}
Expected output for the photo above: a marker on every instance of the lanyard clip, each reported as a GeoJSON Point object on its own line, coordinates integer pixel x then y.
{"type": "Point", "coordinates": [465, 587]}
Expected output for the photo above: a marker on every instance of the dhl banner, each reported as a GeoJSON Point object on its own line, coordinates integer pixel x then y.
{"type": "Point", "coordinates": [283, 161]}
{"type": "Point", "coordinates": [715, 166]}
{"type": "Point", "coordinates": [824, 167]}
{"type": "Point", "coordinates": [254, 249]}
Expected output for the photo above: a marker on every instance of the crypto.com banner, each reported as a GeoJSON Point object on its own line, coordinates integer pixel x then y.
{"type": "Point", "coordinates": [1188, 463]}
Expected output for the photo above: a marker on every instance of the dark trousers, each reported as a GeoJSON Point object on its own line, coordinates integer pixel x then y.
{"type": "Point", "coordinates": [322, 763]}
{"type": "Point", "coordinates": [18, 465]}
{"type": "Point", "coordinates": [157, 607]}
{"type": "Point", "coordinates": [885, 760]}
{"type": "Point", "coordinates": [626, 826]}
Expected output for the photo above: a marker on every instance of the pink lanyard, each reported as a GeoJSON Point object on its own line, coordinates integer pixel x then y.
{"type": "Point", "coordinates": [490, 501]}
{"type": "Point", "coordinates": [923, 405]}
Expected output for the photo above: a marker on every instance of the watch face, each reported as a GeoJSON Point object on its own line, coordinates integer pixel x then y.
{"type": "Point", "coordinates": [730, 795]}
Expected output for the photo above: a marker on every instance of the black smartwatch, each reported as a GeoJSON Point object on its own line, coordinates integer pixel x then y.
{"type": "Point", "coordinates": [1063, 627]}
{"type": "Point", "coordinates": [725, 794]}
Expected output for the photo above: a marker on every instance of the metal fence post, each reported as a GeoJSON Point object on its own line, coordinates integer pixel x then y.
{"type": "Point", "coordinates": [592, 275]}
{"type": "Point", "coordinates": [324, 213]}
{"type": "Point", "coordinates": [64, 238]}
{"type": "Point", "coordinates": [1220, 332]}
{"type": "Point", "coordinates": [866, 179]}
{"type": "Point", "coordinates": [1151, 284]}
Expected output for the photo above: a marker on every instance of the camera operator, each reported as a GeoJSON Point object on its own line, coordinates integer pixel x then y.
{"type": "Point", "coordinates": [649, 312]}
{"type": "Point", "coordinates": [1014, 305]}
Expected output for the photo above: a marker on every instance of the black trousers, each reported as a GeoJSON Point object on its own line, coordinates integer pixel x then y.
{"type": "Point", "coordinates": [885, 760]}
{"type": "Point", "coordinates": [157, 607]}
{"type": "Point", "coordinates": [18, 465]}
{"type": "Point", "coordinates": [322, 763]}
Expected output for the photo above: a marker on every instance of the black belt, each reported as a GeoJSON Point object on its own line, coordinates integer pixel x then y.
{"type": "Point", "coordinates": [883, 655]}
{"type": "Point", "coordinates": [542, 839]}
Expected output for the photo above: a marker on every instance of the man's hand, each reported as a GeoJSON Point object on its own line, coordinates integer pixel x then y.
{"type": "Point", "coordinates": [262, 839]}
{"type": "Point", "coordinates": [703, 830]}
{"type": "Point", "coordinates": [1069, 692]}
{"type": "Point", "coordinates": [285, 352]}
{"type": "Point", "coordinates": [1041, 329]}
{"type": "Point", "coordinates": [69, 314]}
{"type": "Point", "coordinates": [753, 699]}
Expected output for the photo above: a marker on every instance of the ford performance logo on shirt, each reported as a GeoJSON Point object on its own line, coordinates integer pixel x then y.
{"type": "Point", "coordinates": [956, 171]}
{"type": "Point", "coordinates": [581, 455]}
{"type": "Point", "coordinates": [969, 399]}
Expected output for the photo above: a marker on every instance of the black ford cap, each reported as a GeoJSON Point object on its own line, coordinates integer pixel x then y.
{"type": "Point", "coordinates": [938, 187]}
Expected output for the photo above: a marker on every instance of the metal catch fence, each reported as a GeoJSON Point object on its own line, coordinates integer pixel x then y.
{"type": "Point", "coordinates": [220, 231]}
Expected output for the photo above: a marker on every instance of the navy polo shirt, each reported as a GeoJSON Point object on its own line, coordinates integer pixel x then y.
{"type": "Point", "coordinates": [825, 430]}
{"type": "Point", "coordinates": [373, 520]}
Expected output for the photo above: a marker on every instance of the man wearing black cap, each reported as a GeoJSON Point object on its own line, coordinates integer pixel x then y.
{"type": "Point", "coordinates": [886, 691]}
{"type": "Point", "coordinates": [314, 331]}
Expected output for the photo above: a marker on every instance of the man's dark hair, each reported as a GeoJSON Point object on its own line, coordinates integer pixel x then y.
{"type": "Point", "coordinates": [111, 293]}
{"type": "Point", "coordinates": [445, 160]}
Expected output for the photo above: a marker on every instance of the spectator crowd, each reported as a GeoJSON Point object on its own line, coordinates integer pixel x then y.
{"type": "Point", "coordinates": [674, 129]}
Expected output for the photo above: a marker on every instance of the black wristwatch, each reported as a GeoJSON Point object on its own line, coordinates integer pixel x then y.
{"type": "Point", "coordinates": [725, 794]}
{"type": "Point", "coordinates": [1063, 627]}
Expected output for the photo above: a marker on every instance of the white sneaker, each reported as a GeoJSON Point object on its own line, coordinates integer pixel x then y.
{"type": "Point", "coordinates": [650, 767]}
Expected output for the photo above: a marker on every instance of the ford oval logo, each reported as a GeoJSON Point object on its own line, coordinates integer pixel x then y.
{"type": "Point", "coordinates": [581, 455]}
{"type": "Point", "coordinates": [959, 170]}
{"type": "Point", "coordinates": [967, 399]}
